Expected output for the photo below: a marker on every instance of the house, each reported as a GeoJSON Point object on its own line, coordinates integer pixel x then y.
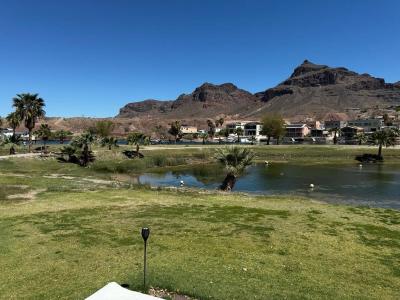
{"type": "Point", "coordinates": [334, 124]}
{"type": "Point", "coordinates": [188, 129]}
{"type": "Point", "coordinates": [314, 124]}
{"type": "Point", "coordinates": [297, 131]}
{"type": "Point", "coordinates": [231, 127]}
{"type": "Point", "coordinates": [368, 125]}
{"type": "Point", "coordinates": [349, 133]}
{"type": "Point", "coordinates": [320, 133]}
{"type": "Point", "coordinates": [252, 129]}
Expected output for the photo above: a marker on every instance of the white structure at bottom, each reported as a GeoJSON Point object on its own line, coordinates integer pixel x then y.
{"type": "Point", "coordinates": [113, 291]}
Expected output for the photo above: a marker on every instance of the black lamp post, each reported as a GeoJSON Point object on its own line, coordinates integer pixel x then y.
{"type": "Point", "coordinates": [145, 236]}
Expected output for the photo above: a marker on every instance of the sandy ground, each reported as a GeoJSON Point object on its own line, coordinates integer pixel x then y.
{"type": "Point", "coordinates": [19, 155]}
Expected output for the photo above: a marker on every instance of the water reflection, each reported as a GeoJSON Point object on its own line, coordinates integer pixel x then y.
{"type": "Point", "coordinates": [375, 185]}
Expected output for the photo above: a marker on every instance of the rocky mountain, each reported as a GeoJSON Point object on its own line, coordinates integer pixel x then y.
{"type": "Point", "coordinates": [207, 101]}
{"type": "Point", "coordinates": [150, 107]}
{"type": "Point", "coordinates": [316, 90]}
{"type": "Point", "coordinates": [311, 91]}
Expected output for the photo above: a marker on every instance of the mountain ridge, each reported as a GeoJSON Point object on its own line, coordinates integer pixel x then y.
{"type": "Point", "coordinates": [312, 90]}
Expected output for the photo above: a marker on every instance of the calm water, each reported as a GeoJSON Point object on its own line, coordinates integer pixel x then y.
{"type": "Point", "coordinates": [373, 185]}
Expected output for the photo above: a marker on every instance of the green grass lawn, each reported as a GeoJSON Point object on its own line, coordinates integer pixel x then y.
{"type": "Point", "coordinates": [66, 231]}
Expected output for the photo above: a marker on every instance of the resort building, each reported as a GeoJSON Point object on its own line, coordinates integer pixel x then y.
{"type": "Point", "coordinates": [252, 129]}
{"type": "Point", "coordinates": [334, 124]}
{"type": "Point", "coordinates": [314, 124]}
{"type": "Point", "coordinates": [188, 129]}
{"type": "Point", "coordinates": [297, 131]}
{"type": "Point", "coordinates": [349, 133]}
{"type": "Point", "coordinates": [368, 125]}
{"type": "Point", "coordinates": [231, 127]}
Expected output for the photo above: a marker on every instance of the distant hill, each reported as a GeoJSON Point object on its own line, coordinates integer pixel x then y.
{"type": "Point", "coordinates": [311, 91]}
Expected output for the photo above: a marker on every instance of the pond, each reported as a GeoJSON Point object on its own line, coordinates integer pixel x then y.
{"type": "Point", "coordinates": [371, 184]}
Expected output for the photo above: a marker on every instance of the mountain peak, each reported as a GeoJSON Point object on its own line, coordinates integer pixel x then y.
{"type": "Point", "coordinates": [307, 67]}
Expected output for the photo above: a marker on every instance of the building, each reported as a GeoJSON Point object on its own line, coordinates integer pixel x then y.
{"type": "Point", "coordinates": [231, 127]}
{"type": "Point", "coordinates": [314, 132]}
{"type": "Point", "coordinates": [297, 131]}
{"type": "Point", "coordinates": [252, 129]}
{"type": "Point", "coordinates": [314, 124]}
{"type": "Point", "coordinates": [368, 125]}
{"type": "Point", "coordinates": [350, 133]}
{"type": "Point", "coordinates": [334, 124]}
{"type": "Point", "coordinates": [6, 132]}
{"type": "Point", "coordinates": [188, 129]}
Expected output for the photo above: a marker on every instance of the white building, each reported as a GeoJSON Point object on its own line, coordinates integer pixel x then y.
{"type": "Point", "coordinates": [6, 132]}
{"type": "Point", "coordinates": [252, 129]}
{"type": "Point", "coordinates": [231, 127]}
{"type": "Point", "coordinates": [188, 129]}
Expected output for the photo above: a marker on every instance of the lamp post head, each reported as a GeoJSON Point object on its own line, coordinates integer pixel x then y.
{"type": "Point", "coordinates": [145, 233]}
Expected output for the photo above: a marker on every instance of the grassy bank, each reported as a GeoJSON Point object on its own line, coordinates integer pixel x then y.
{"type": "Point", "coordinates": [66, 231]}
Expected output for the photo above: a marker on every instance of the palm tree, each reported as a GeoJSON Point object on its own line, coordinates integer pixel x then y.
{"type": "Point", "coordinates": [136, 138]}
{"type": "Point", "coordinates": [175, 130]}
{"type": "Point", "coordinates": [62, 134]}
{"type": "Point", "coordinates": [14, 140]}
{"type": "Point", "coordinates": [14, 120]}
{"type": "Point", "coordinates": [211, 128]}
{"type": "Point", "coordinates": [335, 131]}
{"type": "Point", "coordinates": [224, 132]}
{"type": "Point", "coordinates": [29, 107]}
{"type": "Point", "coordinates": [384, 138]}
{"type": "Point", "coordinates": [239, 131]}
{"type": "Point", "coordinates": [44, 132]}
{"type": "Point", "coordinates": [79, 152]}
{"type": "Point", "coordinates": [361, 138]}
{"type": "Point", "coordinates": [235, 161]}
{"type": "Point", "coordinates": [82, 145]}
{"type": "Point", "coordinates": [109, 141]}
{"type": "Point", "coordinates": [204, 137]}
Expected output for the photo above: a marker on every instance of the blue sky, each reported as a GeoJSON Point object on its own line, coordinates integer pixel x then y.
{"type": "Point", "coordinates": [89, 58]}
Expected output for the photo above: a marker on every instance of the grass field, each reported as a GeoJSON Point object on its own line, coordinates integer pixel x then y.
{"type": "Point", "coordinates": [66, 231]}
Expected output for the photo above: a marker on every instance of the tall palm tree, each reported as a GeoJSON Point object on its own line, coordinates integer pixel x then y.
{"type": "Point", "coordinates": [211, 128]}
{"type": "Point", "coordinates": [384, 138]}
{"type": "Point", "coordinates": [336, 132]}
{"type": "Point", "coordinates": [235, 160]}
{"type": "Point", "coordinates": [14, 120]}
{"type": "Point", "coordinates": [30, 108]}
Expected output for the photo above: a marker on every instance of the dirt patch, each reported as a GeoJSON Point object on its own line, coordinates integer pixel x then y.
{"type": "Point", "coordinates": [99, 181]}
{"type": "Point", "coordinates": [26, 196]}
{"type": "Point", "coordinates": [55, 176]}
{"type": "Point", "coordinates": [165, 294]}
